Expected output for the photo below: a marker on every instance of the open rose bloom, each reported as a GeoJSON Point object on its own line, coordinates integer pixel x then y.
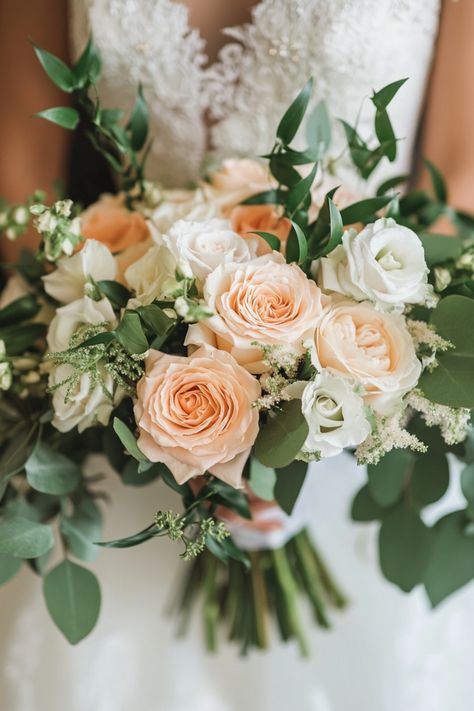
{"type": "Point", "coordinates": [225, 338]}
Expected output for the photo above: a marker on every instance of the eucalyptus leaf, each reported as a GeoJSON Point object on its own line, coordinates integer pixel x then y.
{"type": "Point", "coordinates": [262, 480]}
{"type": "Point", "coordinates": [72, 595]}
{"type": "Point", "coordinates": [9, 567]}
{"type": "Point", "coordinates": [22, 538]}
{"type": "Point", "coordinates": [383, 97]}
{"type": "Point", "coordinates": [451, 382]}
{"type": "Point", "coordinates": [430, 477]}
{"type": "Point", "coordinates": [132, 476]}
{"type": "Point", "coordinates": [51, 472]}
{"type": "Point", "coordinates": [386, 479]}
{"type": "Point", "coordinates": [440, 248]}
{"type": "Point", "coordinates": [281, 438]}
{"type": "Point", "coordinates": [289, 481]}
{"type": "Point", "coordinates": [439, 184]}
{"type": "Point", "coordinates": [452, 559]}
{"type": "Point", "coordinates": [364, 507]}
{"type": "Point", "coordinates": [404, 547]}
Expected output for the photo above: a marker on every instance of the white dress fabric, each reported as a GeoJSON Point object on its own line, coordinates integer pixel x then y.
{"type": "Point", "coordinates": [387, 651]}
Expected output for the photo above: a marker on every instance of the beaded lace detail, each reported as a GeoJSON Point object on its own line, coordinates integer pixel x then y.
{"type": "Point", "coordinates": [349, 46]}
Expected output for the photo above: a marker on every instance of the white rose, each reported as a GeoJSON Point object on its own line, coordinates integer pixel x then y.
{"type": "Point", "coordinates": [334, 412]}
{"type": "Point", "coordinates": [385, 263]}
{"type": "Point", "coordinates": [67, 282]}
{"type": "Point", "coordinates": [70, 318]}
{"type": "Point", "coordinates": [88, 404]}
{"type": "Point", "coordinates": [153, 276]}
{"type": "Point", "coordinates": [200, 247]}
{"type": "Point", "coordinates": [5, 375]}
{"type": "Point", "coordinates": [180, 205]}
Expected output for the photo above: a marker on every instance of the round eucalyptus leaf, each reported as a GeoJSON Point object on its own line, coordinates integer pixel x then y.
{"type": "Point", "coordinates": [72, 595]}
{"type": "Point", "coordinates": [23, 538]}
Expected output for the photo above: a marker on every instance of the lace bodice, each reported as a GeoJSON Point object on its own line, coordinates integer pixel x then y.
{"type": "Point", "coordinates": [349, 46]}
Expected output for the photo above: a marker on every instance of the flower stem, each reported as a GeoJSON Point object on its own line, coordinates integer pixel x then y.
{"type": "Point", "coordinates": [290, 593]}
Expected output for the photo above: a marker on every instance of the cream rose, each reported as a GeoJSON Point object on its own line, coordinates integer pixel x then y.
{"type": "Point", "coordinates": [384, 263]}
{"type": "Point", "coordinates": [86, 405]}
{"type": "Point", "coordinates": [153, 276]}
{"type": "Point", "coordinates": [193, 205]}
{"type": "Point", "coordinates": [265, 301]}
{"type": "Point", "coordinates": [78, 313]}
{"type": "Point", "coordinates": [68, 281]}
{"type": "Point", "coordinates": [372, 348]}
{"type": "Point", "coordinates": [334, 412]}
{"type": "Point", "coordinates": [195, 414]}
{"type": "Point", "coordinates": [200, 247]}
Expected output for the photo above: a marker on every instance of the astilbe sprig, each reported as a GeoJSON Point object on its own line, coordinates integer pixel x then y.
{"type": "Point", "coordinates": [96, 360]}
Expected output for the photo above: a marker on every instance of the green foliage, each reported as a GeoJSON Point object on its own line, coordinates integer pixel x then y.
{"type": "Point", "coordinates": [117, 293]}
{"type": "Point", "coordinates": [451, 382]}
{"type": "Point", "coordinates": [438, 182]}
{"type": "Point", "coordinates": [430, 477]}
{"type": "Point", "coordinates": [130, 333]}
{"type": "Point", "coordinates": [72, 595]}
{"type": "Point", "coordinates": [440, 248]}
{"type": "Point", "coordinates": [128, 440]}
{"type": "Point", "coordinates": [81, 530]}
{"type": "Point", "coordinates": [363, 210]}
{"type": "Point", "coordinates": [59, 73]}
{"type": "Point", "coordinates": [262, 480]}
{"type": "Point", "coordinates": [289, 480]}
{"type": "Point", "coordinates": [272, 240]}
{"type": "Point", "coordinates": [138, 123]}
{"type": "Point", "coordinates": [293, 116]}
{"type": "Point", "coordinates": [452, 560]}
{"type": "Point", "coordinates": [9, 567]}
{"type": "Point", "coordinates": [364, 507]}
{"type": "Point", "coordinates": [404, 546]}
{"type": "Point", "coordinates": [22, 538]}
{"type": "Point", "coordinates": [63, 116]}
{"type": "Point", "coordinates": [387, 478]}
{"type": "Point", "coordinates": [19, 310]}
{"type": "Point", "coordinates": [51, 472]}
{"type": "Point", "coordinates": [318, 130]}
{"type": "Point", "coordinates": [281, 438]}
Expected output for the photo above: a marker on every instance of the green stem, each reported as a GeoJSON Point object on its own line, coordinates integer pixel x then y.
{"type": "Point", "coordinates": [211, 606]}
{"type": "Point", "coordinates": [290, 592]}
{"type": "Point", "coordinates": [260, 601]}
{"type": "Point", "coordinates": [333, 590]}
{"type": "Point", "coordinates": [311, 578]}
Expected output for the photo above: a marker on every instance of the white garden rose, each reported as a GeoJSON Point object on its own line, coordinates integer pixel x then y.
{"type": "Point", "coordinates": [334, 412]}
{"type": "Point", "coordinates": [384, 263]}
{"type": "Point", "coordinates": [68, 282]}
{"type": "Point", "coordinates": [78, 313]}
{"type": "Point", "coordinates": [200, 247]}
{"type": "Point", "coordinates": [86, 405]}
{"type": "Point", "coordinates": [153, 276]}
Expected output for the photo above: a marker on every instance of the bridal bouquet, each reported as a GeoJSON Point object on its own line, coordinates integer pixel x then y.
{"type": "Point", "coordinates": [220, 339]}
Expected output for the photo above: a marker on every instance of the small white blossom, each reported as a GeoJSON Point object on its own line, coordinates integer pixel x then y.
{"type": "Point", "coordinates": [387, 433]}
{"type": "Point", "coordinates": [453, 422]}
{"type": "Point", "coordinates": [442, 278]}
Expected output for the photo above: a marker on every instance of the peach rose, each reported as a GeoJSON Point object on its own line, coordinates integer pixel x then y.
{"type": "Point", "coordinates": [265, 301]}
{"type": "Point", "coordinates": [372, 348]}
{"type": "Point", "coordinates": [195, 414]}
{"type": "Point", "coordinates": [247, 219]}
{"type": "Point", "coordinates": [236, 180]}
{"type": "Point", "coordinates": [110, 222]}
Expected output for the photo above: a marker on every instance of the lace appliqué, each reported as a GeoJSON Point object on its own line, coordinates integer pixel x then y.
{"type": "Point", "coordinates": [348, 46]}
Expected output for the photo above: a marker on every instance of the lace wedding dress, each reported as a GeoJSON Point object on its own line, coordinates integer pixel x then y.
{"type": "Point", "coordinates": [387, 651]}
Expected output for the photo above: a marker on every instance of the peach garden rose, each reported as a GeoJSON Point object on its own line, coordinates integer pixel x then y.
{"type": "Point", "coordinates": [247, 219]}
{"type": "Point", "coordinates": [265, 301]}
{"type": "Point", "coordinates": [372, 348]}
{"type": "Point", "coordinates": [110, 222]}
{"type": "Point", "coordinates": [195, 414]}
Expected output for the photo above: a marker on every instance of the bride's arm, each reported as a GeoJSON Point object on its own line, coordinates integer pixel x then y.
{"type": "Point", "coordinates": [32, 152]}
{"type": "Point", "coordinates": [448, 136]}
